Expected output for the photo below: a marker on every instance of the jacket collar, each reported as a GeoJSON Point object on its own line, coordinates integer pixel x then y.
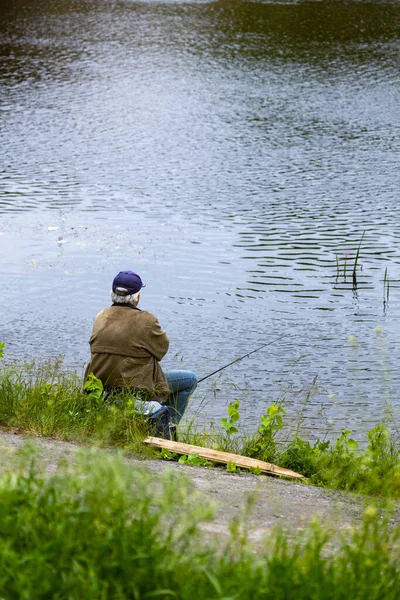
{"type": "Point", "coordinates": [125, 306]}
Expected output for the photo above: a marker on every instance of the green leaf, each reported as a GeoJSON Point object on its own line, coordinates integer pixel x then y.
{"type": "Point", "coordinates": [232, 468]}
{"type": "Point", "coordinates": [322, 446]}
{"type": "Point", "coordinates": [255, 470]}
{"type": "Point", "coordinates": [162, 593]}
{"type": "Point", "coordinates": [167, 455]}
{"type": "Point", "coordinates": [232, 429]}
{"type": "Point", "coordinates": [352, 444]}
{"type": "Point", "coordinates": [94, 386]}
{"type": "Point", "coordinates": [272, 410]}
{"type": "Point", "coordinates": [93, 383]}
{"type": "Point", "coordinates": [233, 412]}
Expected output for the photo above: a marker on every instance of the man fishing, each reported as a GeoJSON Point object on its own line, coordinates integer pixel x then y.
{"type": "Point", "coordinates": [127, 345]}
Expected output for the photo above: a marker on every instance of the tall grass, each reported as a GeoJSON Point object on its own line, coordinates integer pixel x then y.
{"type": "Point", "coordinates": [354, 273]}
{"type": "Point", "coordinates": [386, 289]}
{"type": "Point", "coordinates": [43, 399]}
{"type": "Point", "coordinates": [102, 530]}
{"type": "Point", "coordinates": [339, 464]}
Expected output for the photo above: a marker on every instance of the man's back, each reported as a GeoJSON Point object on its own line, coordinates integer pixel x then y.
{"type": "Point", "coordinates": [126, 346]}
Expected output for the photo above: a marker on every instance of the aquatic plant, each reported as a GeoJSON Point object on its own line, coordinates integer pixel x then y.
{"type": "Point", "coordinates": [354, 273]}
{"type": "Point", "coordinates": [386, 288]}
{"type": "Point", "coordinates": [345, 264]}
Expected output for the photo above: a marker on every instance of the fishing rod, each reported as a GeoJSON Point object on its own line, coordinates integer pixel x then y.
{"type": "Point", "coordinates": [237, 359]}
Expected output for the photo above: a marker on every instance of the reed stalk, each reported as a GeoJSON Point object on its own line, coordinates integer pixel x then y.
{"type": "Point", "coordinates": [386, 288]}
{"type": "Point", "coordinates": [354, 274]}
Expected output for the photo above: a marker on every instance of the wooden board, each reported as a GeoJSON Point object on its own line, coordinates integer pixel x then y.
{"type": "Point", "coordinates": [221, 457]}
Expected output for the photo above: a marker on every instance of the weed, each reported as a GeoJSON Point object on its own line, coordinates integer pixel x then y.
{"type": "Point", "coordinates": [167, 455]}
{"type": "Point", "coordinates": [232, 468]}
{"type": "Point", "coordinates": [103, 529]}
{"type": "Point", "coordinates": [344, 444]}
{"type": "Point", "coordinates": [262, 445]}
{"type": "Point", "coordinates": [374, 471]}
{"type": "Point", "coordinates": [339, 464]}
{"type": "Point", "coordinates": [94, 387]}
{"type": "Point", "coordinates": [354, 274]}
{"type": "Point", "coordinates": [44, 400]}
{"type": "Point", "coordinates": [255, 470]}
{"type": "Point", "coordinates": [195, 460]}
{"type": "Point", "coordinates": [234, 416]}
{"type": "Point", "coordinates": [386, 288]}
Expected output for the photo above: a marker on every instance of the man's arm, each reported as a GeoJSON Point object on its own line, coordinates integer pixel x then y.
{"type": "Point", "coordinates": [157, 340]}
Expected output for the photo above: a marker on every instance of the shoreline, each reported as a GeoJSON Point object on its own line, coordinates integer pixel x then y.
{"type": "Point", "coordinates": [287, 504]}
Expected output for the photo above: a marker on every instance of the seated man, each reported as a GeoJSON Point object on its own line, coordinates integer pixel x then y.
{"type": "Point", "coordinates": [127, 344]}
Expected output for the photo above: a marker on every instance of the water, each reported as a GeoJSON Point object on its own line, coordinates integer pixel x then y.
{"type": "Point", "coordinates": [237, 155]}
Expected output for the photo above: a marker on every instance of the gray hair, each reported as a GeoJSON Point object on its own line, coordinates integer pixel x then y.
{"type": "Point", "coordinates": [131, 299]}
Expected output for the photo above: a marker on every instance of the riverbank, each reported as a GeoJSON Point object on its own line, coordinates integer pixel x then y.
{"type": "Point", "coordinates": [47, 401]}
{"type": "Point", "coordinates": [84, 502]}
{"type": "Point", "coordinates": [94, 524]}
{"type": "Point", "coordinates": [276, 502]}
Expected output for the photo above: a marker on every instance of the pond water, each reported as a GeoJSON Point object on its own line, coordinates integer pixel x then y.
{"type": "Point", "coordinates": [243, 157]}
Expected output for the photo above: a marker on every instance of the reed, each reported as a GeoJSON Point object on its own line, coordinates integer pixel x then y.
{"type": "Point", "coordinates": [337, 268]}
{"type": "Point", "coordinates": [386, 289]}
{"type": "Point", "coordinates": [354, 273]}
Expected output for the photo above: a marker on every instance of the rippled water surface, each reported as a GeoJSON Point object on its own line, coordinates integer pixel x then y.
{"type": "Point", "coordinates": [243, 157]}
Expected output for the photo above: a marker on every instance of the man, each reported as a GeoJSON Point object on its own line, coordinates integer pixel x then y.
{"type": "Point", "coordinates": [127, 345]}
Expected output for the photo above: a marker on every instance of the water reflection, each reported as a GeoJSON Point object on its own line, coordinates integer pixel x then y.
{"type": "Point", "coordinates": [235, 152]}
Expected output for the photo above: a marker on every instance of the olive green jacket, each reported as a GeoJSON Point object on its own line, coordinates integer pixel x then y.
{"type": "Point", "coordinates": [126, 346]}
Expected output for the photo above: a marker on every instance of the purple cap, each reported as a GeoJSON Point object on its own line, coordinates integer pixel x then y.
{"type": "Point", "coordinates": [127, 282]}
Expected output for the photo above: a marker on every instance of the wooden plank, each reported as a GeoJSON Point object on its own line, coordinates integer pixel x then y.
{"type": "Point", "coordinates": [221, 457]}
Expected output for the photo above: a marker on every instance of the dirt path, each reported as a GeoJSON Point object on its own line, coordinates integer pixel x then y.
{"type": "Point", "coordinates": [288, 504]}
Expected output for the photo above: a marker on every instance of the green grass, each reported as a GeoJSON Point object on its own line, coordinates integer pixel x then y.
{"type": "Point", "coordinates": [42, 399]}
{"type": "Point", "coordinates": [104, 530]}
{"type": "Point", "coordinates": [100, 529]}
{"type": "Point", "coordinates": [45, 400]}
{"type": "Point", "coordinates": [341, 464]}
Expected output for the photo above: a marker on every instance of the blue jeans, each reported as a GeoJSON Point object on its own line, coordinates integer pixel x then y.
{"type": "Point", "coordinates": [181, 385]}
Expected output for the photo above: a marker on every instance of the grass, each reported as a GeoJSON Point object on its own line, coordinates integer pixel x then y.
{"type": "Point", "coordinates": [45, 400]}
{"type": "Point", "coordinates": [354, 273]}
{"type": "Point", "coordinates": [104, 530]}
{"type": "Point", "coordinates": [386, 289]}
{"type": "Point", "coordinates": [338, 464]}
{"type": "Point", "coordinates": [100, 529]}
{"type": "Point", "coordinates": [42, 399]}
